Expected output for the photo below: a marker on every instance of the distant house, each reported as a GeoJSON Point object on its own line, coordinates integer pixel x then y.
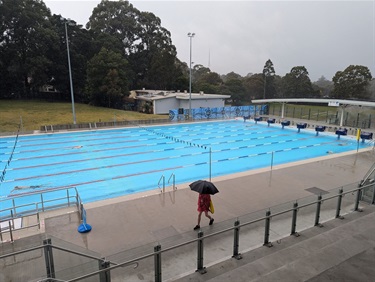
{"type": "Point", "coordinates": [161, 101]}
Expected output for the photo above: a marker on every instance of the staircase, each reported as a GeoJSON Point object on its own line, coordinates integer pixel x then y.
{"type": "Point", "coordinates": [342, 250]}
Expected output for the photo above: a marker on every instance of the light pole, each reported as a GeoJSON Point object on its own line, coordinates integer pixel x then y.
{"type": "Point", "coordinates": [70, 69]}
{"type": "Point", "coordinates": [190, 35]}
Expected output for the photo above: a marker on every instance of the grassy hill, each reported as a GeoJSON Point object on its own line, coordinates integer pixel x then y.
{"type": "Point", "coordinates": [35, 114]}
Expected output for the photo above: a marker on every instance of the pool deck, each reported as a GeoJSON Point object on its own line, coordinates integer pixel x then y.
{"type": "Point", "coordinates": [125, 222]}
{"type": "Point", "coordinates": [130, 221]}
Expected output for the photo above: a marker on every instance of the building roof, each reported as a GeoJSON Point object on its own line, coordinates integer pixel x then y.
{"type": "Point", "coordinates": [331, 102]}
{"type": "Point", "coordinates": [151, 95]}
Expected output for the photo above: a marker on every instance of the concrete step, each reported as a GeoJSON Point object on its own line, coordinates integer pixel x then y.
{"type": "Point", "coordinates": [314, 252]}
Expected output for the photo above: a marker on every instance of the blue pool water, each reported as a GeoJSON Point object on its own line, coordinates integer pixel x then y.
{"type": "Point", "coordinates": [110, 163]}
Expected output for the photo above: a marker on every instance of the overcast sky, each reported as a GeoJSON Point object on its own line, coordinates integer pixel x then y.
{"type": "Point", "coordinates": [240, 36]}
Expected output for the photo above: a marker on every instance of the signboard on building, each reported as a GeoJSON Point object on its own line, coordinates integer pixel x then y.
{"type": "Point", "coordinates": [333, 103]}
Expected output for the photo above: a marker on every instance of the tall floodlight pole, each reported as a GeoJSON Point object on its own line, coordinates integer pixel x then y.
{"type": "Point", "coordinates": [70, 69]}
{"type": "Point", "coordinates": [190, 35]}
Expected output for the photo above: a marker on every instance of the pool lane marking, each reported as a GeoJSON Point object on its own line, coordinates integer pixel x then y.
{"type": "Point", "coordinates": [94, 151]}
{"type": "Point", "coordinates": [150, 144]}
{"type": "Point", "coordinates": [158, 159]}
{"type": "Point", "coordinates": [148, 152]}
{"type": "Point", "coordinates": [121, 137]}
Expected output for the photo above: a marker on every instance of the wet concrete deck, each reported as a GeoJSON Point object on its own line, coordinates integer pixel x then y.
{"type": "Point", "coordinates": [126, 222]}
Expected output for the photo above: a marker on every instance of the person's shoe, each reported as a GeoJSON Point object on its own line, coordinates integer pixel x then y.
{"type": "Point", "coordinates": [197, 227]}
{"type": "Point", "coordinates": [211, 221]}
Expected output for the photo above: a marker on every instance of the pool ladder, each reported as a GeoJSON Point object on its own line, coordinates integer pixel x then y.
{"type": "Point", "coordinates": [162, 179]}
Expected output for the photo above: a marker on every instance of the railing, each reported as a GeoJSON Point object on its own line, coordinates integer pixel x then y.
{"type": "Point", "coordinates": [31, 204]}
{"type": "Point", "coordinates": [301, 214]}
{"type": "Point", "coordinates": [96, 125]}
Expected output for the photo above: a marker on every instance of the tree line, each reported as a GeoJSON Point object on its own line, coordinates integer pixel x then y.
{"type": "Point", "coordinates": [122, 48]}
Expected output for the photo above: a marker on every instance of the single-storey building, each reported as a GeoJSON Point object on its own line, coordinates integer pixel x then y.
{"type": "Point", "coordinates": [161, 101]}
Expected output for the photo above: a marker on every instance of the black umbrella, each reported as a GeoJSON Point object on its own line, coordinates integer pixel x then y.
{"type": "Point", "coordinates": [204, 187]}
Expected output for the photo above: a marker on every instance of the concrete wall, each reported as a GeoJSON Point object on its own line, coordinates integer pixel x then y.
{"type": "Point", "coordinates": [164, 105]}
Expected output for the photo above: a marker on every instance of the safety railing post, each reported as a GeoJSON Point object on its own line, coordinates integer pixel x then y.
{"type": "Point", "coordinates": [104, 276]}
{"type": "Point", "coordinates": [358, 197]}
{"type": "Point", "coordinates": [12, 217]}
{"type": "Point", "coordinates": [157, 263]}
{"type": "Point", "coordinates": [48, 256]}
{"type": "Point", "coordinates": [236, 240]}
{"type": "Point", "coordinates": [42, 201]}
{"type": "Point", "coordinates": [294, 219]}
{"type": "Point", "coordinates": [14, 206]}
{"type": "Point", "coordinates": [68, 197]}
{"type": "Point", "coordinates": [338, 207]}
{"type": "Point", "coordinates": [200, 268]}
{"type": "Point", "coordinates": [373, 195]}
{"type": "Point", "coordinates": [317, 213]}
{"type": "Point", "coordinates": [267, 230]}
{"type": "Point", "coordinates": [10, 231]}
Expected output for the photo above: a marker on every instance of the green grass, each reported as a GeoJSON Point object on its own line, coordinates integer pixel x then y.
{"type": "Point", "coordinates": [35, 114]}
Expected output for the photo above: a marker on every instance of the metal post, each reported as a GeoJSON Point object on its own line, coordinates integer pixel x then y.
{"type": "Point", "coordinates": [210, 162]}
{"type": "Point", "coordinates": [267, 230]}
{"type": "Point", "coordinates": [104, 276]}
{"type": "Point", "coordinates": [157, 263]}
{"type": "Point", "coordinates": [67, 195]}
{"type": "Point", "coordinates": [70, 71]}
{"type": "Point", "coordinates": [201, 269]}
{"type": "Point", "coordinates": [41, 198]}
{"type": "Point", "coordinates": [294, 219]}
{"type": "Point", "coordinates": [190, 35]}
{"type": "Point", "coordinates": [48, 256]}
{"type": "Point", "coordinates": [10, 231]}
{"type": "Point", "coordinates": [236, 242]}
{"type": "Point", "coordinates": [338, 208]}
{"type": "Point", "coordinates": [317, 214]}
{"type": "Point", "coordinates": [358, 197]}
{"type": "Point", "coordinates": [12, 217]}
{"type": "Point", "coordinates": [14, 207]}
{"type": "Point", "coordinates": [373, 195]}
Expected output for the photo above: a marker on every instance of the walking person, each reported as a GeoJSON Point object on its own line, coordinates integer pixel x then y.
{"type": "Point", "coordinates": [203, 206]}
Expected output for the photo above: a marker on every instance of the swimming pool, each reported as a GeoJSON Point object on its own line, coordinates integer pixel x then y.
{"type": "Point", "coordinates": [105, 164]}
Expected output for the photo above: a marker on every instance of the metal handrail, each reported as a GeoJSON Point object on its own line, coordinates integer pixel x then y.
{"type": "Point", "coordinates": [36, 211]}
{"type": "Point", "coordinates": [162, 178]}
{"type": "Point", "coordinates": [366, 177]}
{"type": "Point", "coordinates": [202, 237]}
{"type": "Point", "coordinates": [174, 178]}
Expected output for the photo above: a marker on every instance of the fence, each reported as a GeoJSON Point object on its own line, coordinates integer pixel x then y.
{"type": "Point", "coordinates": [97, 125]}
{"type": "Point", "coordinates": [352, 117]}
{"type": "Point", "coordinates": [61, 262]}
{"type": "Point", "coordinates": [217, 113]}
{"type": "Point", "coordinates": [14, 209]}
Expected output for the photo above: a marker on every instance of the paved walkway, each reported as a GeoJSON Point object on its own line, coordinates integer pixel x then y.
{"type": "Point", "coordinates": [149, 218]}
{"type": "Point", "coordinates": [124, 223]}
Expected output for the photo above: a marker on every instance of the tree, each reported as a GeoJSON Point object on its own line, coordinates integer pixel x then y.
{"type": "Point", "coordinates": [236, 90]}
{"type": "Point", "coordinates": [231, 75]}
{"type": "Point", "coordinates": [297, 84]}
{"type": "Point", "coordinates": [142, 36]}
{"type": "Point", "coordinates": [352, 83]}
{"type": "Point", "coordinates": [107, 82]}
{"type": "Point", "coordinates": [27, 42]}
{"type": "Point", "coordinates": [324, 86]}
{"type": "Point", "coordinates": [209, 82]}
{"type": "Point", "coordinates": [254, 87]}
{"type": "Point", "coordinates": [268, 75]}
{"type": "Point", "coordinates": [163, 72]}
{"type": "Point", "coordinates": [82, 47]}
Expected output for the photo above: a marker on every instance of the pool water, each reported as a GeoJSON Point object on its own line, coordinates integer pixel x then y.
{"type": "Point", "coordinates": [105, 164]}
